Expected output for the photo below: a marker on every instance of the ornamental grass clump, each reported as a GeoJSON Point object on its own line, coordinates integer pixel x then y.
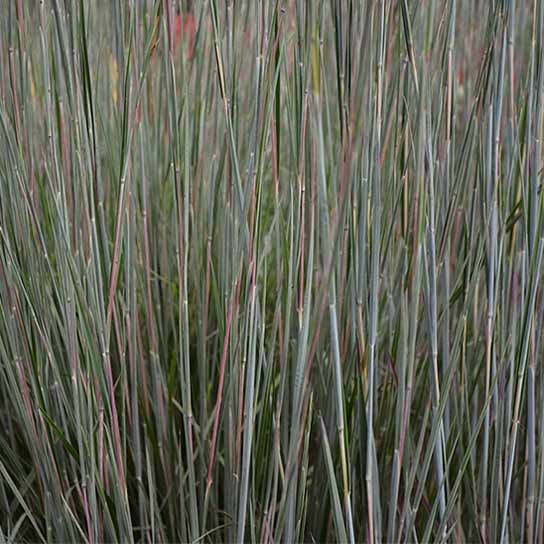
{"type": "Point", "coordinates": [271, 271]}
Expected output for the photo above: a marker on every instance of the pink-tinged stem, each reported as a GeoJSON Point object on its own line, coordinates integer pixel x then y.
{"type": "Point", "coordinates": [219, 394]}
{"type": "Point", "coordinates": [241, 390]}
{"type": "Point", "coordinates": [14, 93]}
{"type": "Point", "coordinates": [142, 366]}
{"type": "Point", "coordinates": [235, 300]}
{"type": "Point", "coordinates": [116, 433]}
{"type": "Point", "coordinates": [115, 261]}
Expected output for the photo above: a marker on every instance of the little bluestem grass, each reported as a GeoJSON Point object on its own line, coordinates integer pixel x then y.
{"type": "Point", "coordinates": [271, 271]}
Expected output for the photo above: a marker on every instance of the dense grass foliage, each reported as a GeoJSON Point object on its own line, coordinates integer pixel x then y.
{"type": "Point", "coordinates": [271, 270]}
